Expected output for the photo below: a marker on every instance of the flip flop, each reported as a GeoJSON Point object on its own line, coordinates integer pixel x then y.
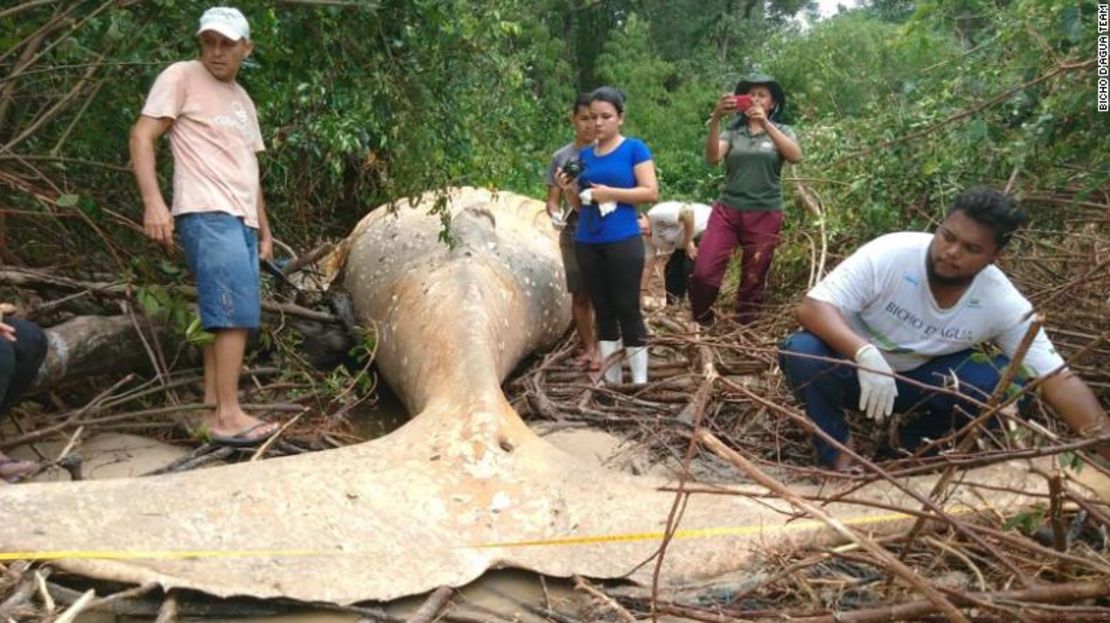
{"type": "Point", "coordinates": [243, 438]}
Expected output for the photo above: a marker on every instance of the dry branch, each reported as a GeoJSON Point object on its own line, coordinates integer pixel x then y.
{"type": "Point", "coordinates": [1053, 593]}
{"type": "Point", "coordinates": [892, 563]}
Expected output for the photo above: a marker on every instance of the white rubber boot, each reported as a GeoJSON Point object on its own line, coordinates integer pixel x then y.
{"type": "Point", "coordinates": [638, 364]}
{"type": "Point", "coordinates": [611, 372]}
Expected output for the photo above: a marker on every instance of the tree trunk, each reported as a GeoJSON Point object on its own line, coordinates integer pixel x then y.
{"type": "Point", "coordinates": [88, 345]}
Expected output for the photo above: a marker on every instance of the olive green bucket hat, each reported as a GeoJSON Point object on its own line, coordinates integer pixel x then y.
{"type": "Point", "coordinates": [745, 85]}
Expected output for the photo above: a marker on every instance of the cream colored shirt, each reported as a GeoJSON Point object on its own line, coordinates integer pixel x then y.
{"type": "Point", "coordinates": [214, 138]}
{"type": "Point", "coordinates": [667, 232]}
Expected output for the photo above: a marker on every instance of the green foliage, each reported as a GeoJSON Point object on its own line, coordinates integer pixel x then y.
{"type": "Point", "coordinates": [196, 335]}
{"type": "Point", "coordinates": [1027, 522]}
{"type": "Point", "coordinates": [365, 349]}
{"type": "Point", "coordinates": [359, 104]}
{"type": "Point", "coordinates": [662, 117]}
{"type": "Point", "coordinates": [1071, 461]}
{"type": "Point", "coordinates": [895, 119]}
{"type": "Point", "coordinates": [897, 106]}
{"type": "Point", "coordinates": [159, 302]}
{"type": "Point", "coordinates": [821, 69]}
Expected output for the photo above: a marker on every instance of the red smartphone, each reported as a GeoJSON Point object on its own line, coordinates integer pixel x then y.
{"type": "Point", "coordinates": [743, 102]}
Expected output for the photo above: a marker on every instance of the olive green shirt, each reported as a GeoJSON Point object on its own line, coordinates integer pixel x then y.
{"type": "Point", "coordinates": [752, 169]}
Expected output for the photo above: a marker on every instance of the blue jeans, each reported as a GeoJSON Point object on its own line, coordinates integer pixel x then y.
{"type": "Point", "coordinates": [19, 361]}
{"type": "Point", "coordinates": [826, 388]}
{"type": "Point", "coordinates": [222, 254]}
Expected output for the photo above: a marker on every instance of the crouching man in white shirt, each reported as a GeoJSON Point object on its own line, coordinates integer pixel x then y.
{"type": "Point", "coordinates": [920, 305]}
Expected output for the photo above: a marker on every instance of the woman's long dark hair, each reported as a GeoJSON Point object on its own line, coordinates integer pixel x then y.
{"type": "Point", "coordinates": [611, 95]}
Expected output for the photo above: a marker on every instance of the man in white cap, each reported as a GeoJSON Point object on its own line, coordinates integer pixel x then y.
{"type": "Point", "coordinates": [218, 210]}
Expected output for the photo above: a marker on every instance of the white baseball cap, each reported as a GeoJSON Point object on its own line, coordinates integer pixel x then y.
{"type": "Point", "coordinates": [227, 21]}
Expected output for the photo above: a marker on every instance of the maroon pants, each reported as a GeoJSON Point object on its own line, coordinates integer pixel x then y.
{"type": "Point", "coordinates": [757, 233]}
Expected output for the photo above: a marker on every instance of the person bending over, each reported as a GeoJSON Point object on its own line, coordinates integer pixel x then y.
{"type": "Point", "coordinates": [671, 230]}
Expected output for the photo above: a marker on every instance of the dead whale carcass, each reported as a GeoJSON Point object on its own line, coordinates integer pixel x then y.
{"type": "Point", "coordinates": [463, 487]}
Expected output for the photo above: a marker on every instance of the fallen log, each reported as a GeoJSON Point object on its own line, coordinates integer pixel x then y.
{"type": "Point", "coordinates": [88, 345]}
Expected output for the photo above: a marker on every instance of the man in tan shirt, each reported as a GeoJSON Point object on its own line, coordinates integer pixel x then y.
{"type": "Point", "coordinates": [218, 211]}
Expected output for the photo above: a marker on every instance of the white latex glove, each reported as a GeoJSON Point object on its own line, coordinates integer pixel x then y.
{"type": "Point", "coordinates": [877, 389]}
{"type": "Point", "coordinates": [587, 196]}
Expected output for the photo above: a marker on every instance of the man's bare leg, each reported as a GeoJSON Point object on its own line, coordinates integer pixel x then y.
{"type": "Point", "coordinates": [223, 360]}
{"type": "Point", "coordinates": [210, 379]}
{"type": "Point", "coordinates": [584, 322]}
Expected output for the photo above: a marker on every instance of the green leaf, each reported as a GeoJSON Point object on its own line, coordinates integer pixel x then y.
{"type": "Point", "coordinates": [170, 268]}
{"type": "Point", "coordinates": [1027, 522]}
{"type": "Point", "coordinates": [1071, 460]}
{"type": "Point", "coordinates": [196, 335]}
{"type": "Point", "coordinates": [90, 208]}
{"type": "Point", "coordinates": [148, 300]}
{"type": "Point", "coordinates": [977, 130]}
{"type": "Point", "coordinates": [67, 201]}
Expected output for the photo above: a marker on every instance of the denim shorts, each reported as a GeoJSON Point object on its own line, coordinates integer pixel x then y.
{"type": "Point", "coordinates": [222, 254]}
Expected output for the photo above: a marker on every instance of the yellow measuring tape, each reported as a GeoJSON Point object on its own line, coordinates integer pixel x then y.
{"type": "Point", "coordinates": [700, 533]}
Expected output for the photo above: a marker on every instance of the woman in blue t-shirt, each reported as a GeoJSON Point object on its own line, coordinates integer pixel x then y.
{"type": "Point", "coordinates": [618, 175]}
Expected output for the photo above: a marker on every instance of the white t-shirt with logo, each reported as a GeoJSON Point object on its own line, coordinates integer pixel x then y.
{"type": "Point", "coordinates": [883, 291]}
{"type": "Point", "coordinates": [213, 138]}
{"type": "Point", "coordinates": [666, 227]}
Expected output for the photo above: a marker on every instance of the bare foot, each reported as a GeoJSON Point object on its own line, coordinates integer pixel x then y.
{"type": "Point", "coordinates": [588, 359]}
{"type": "Point", "coordinates": [12, 470]}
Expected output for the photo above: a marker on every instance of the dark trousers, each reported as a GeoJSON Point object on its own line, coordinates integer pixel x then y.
{"type": "Point", "coordinates": [676, 276]}
{"type": "Point", "coordinates": [611, 273]}
{"type": "Point", "coordinates": [19, 361]}
{"type": "Point", "coordinates": [757, 233]}
{"type": "Point", "coordinates": [827, 387]}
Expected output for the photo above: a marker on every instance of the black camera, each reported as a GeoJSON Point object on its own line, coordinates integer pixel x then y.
{"type": "Point", "coordinates": [574, 168]}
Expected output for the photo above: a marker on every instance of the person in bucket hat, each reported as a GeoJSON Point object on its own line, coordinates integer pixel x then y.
{"type": "Point", "coordinates": [748, 212]}
{"type": "Point", "coordinates": [218, 211]}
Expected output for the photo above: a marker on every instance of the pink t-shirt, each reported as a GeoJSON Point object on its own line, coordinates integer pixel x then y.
{"type": "Point", "coordinates": [214, 138]}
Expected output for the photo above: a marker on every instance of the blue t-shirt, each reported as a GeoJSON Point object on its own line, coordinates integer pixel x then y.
{"type": "Point", "coordinates": [613, 169]}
